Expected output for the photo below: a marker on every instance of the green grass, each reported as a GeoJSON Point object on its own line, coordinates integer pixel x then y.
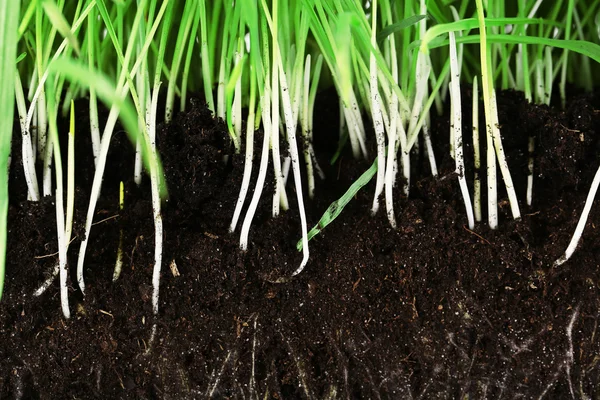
{"type": "Point", "coordinates": [9, 13]}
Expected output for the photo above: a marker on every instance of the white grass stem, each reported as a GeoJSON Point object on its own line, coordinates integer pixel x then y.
{"type": "Point", "coordinates": [279, 195]}
{"type": "Point", "coordinates": [428, 148]}
{"type": "Point", "coordinates": [306, 131]}
{"type": "Point", "coordinates": [34, 132]}
{"type": "Point", "coordinates": [359, 127]}
{"type": "Point", "coordinates": [456, 126]}
{"type": "Point", "coordinates": [582, 221]}
{"type": "Point", "coordinates": [395, 122]}
{"type": "Point", "coordinates": [391, 168]}
{"type": "Point", "coordinates": [295, 159]}
{"type": "Point", "coordinates": [492, 188]}
{"type": "Point", "coordinates": [96, 186]}
{"type": "Point", "coordinates": [221, 92]}
{"type": "Point", "coordinates": [422, 75]}
{"type": "Point", "coordinates": [42, 128]}
{"type": "Point", "coordinates": [279, 190]}
{"type": "Point", "coordinates": [28, 154]}
{"type": "Point", "coordinates": [286, 169]}
{"type": "Point", "coordinates": [376, 115]}
{"type": "Point", "coordinates": [156, 204]}
{"type": "Point", "coordinates": [236, 108]}
{"type": "Point", "coordinates": [93, 105]}
{"type": "Point", "coordinates": [62, 254]}
{"type": "Point", "coordinates": [47, 170]}
{"type": "Point", "coordinates": [508, 183]}
{"type": "Point", "coordinates": [70, 178]}
{"type": "Point", "coordinates": [494, 140]}
{"type": "Point", "coordinates": [539, 81]}
{"type": "Point", "coordinates": [249, 158]}
{"type": "Point", "coordinates": [142, 94]}
{"type": "Point", "coordinates": [476, 153]}
{"type": "Point", "coordinates": [452, 141]}
{"type": "Point", "coordinates": [123, 90]}
{"type": "Point", "coordinates": [549, 75]}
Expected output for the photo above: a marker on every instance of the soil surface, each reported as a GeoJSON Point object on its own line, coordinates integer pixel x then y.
{"type": "Point", "coordinates": [428, 310]}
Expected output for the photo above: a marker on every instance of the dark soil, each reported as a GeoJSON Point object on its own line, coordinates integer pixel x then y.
{"type": "Point", "coordinates": [429, 310]}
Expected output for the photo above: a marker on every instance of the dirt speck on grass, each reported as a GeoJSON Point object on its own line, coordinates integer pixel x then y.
{"type": "Point", "coordinates": [429, 310]}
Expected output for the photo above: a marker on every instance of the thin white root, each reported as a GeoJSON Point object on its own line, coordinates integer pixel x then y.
{"type": "Point", "coordinates": [570, 358]}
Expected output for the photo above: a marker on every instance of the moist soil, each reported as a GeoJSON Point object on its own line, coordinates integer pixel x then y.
{"type": "Point", "coordinates": [429, 310]}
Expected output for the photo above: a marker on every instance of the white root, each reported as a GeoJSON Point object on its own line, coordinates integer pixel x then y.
{"type": "Point", "coordinates": [582, 221]}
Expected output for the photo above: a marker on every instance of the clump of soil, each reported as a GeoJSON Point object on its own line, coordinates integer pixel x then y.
{"type": "Point", "coordinates": [429, 310]}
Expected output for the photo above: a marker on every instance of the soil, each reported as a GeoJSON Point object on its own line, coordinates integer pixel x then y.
{"type": "Point", "coordinates": [428, 310]}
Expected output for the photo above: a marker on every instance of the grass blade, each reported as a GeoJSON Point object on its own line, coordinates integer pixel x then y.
{"type": "Point", "coordinates": [9, 21]}
{"type": "Point", "coordinates": [60, 23]}
{"type": "Point", "coordinates": [398, 26]}
{"type": "Point", "coordinates": [336, 208]}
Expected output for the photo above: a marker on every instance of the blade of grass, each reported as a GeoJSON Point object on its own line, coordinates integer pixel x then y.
{"type": "Point", "coordinates": [59, 22]}
{"type": "Point", "coordinates": [336, 208]}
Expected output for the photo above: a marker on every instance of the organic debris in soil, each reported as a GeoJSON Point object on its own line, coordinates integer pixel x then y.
{"type": "Point", "coordinates": [429, 310]}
